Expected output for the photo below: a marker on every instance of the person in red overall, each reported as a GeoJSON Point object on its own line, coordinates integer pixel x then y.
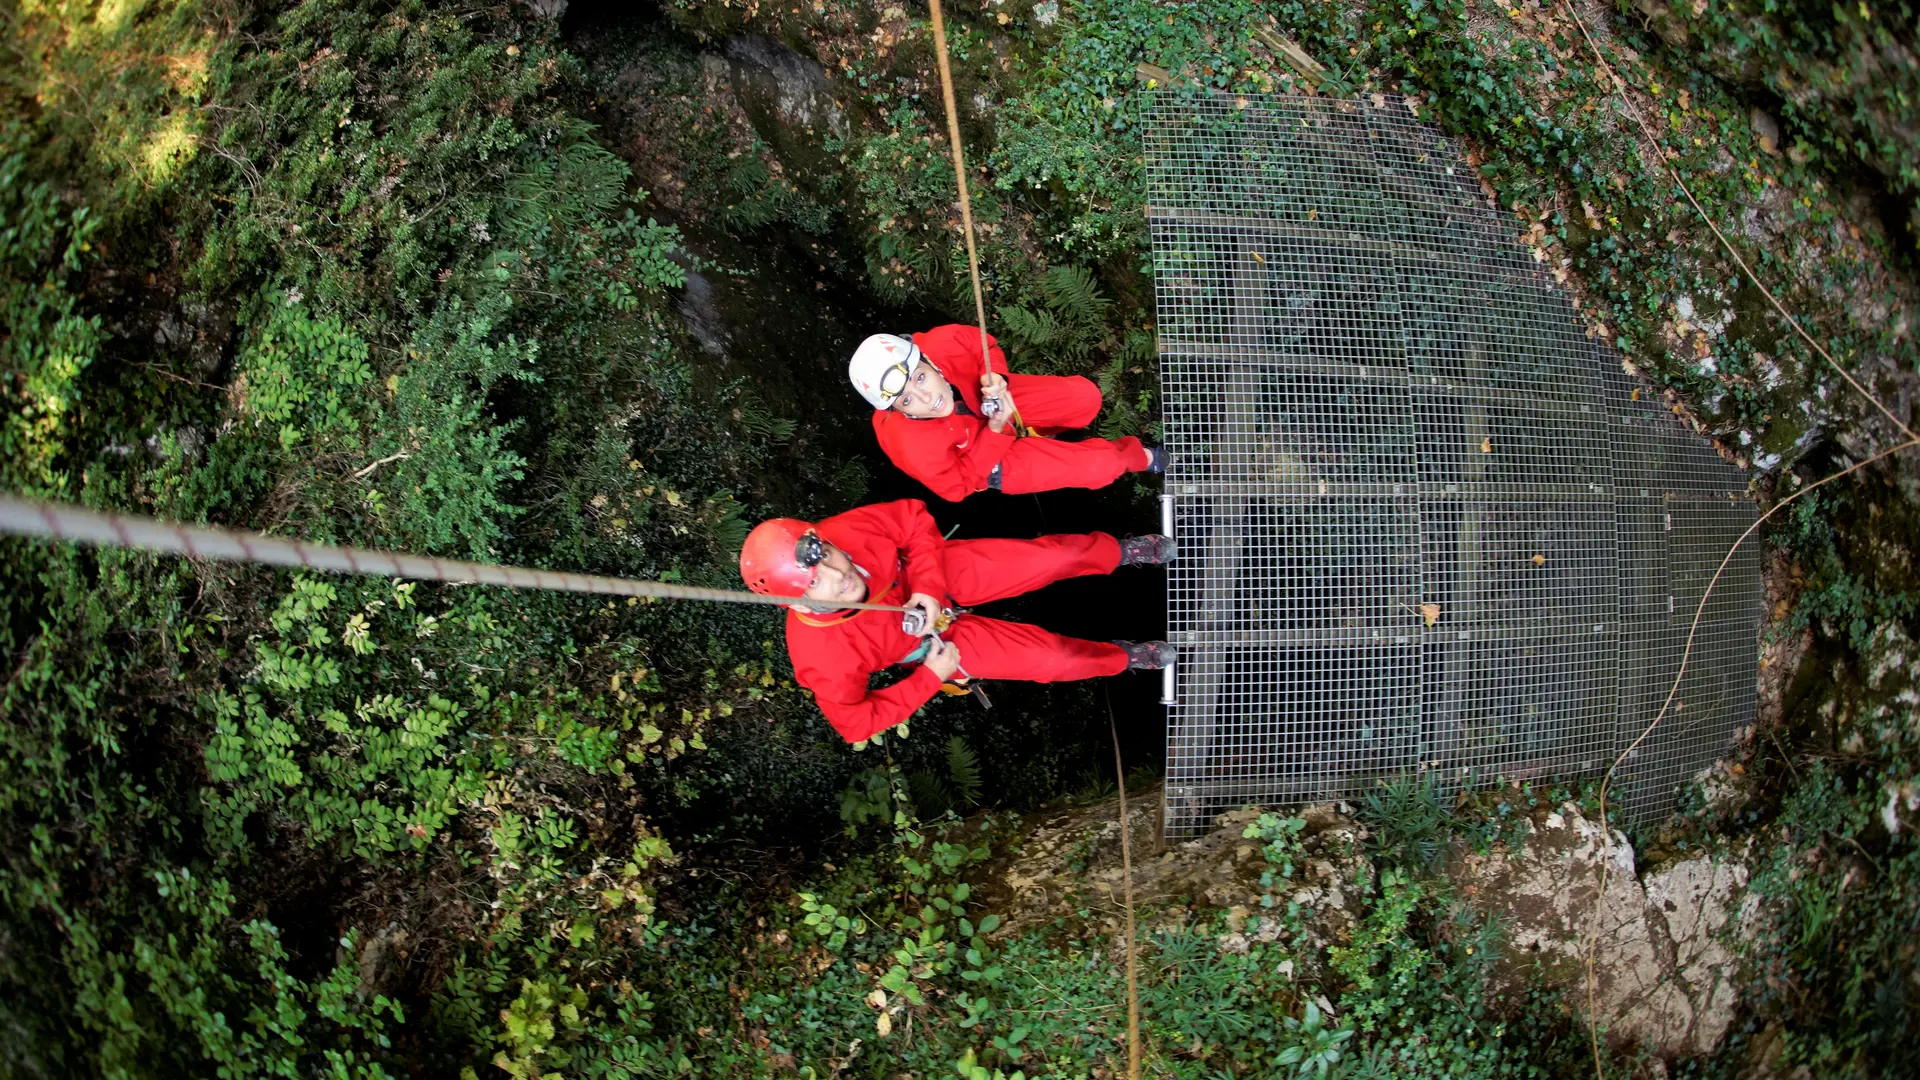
{"type": "Point", "coordinates": [892, 553]}
{"type": "Point", "coordinates": [956, 426]}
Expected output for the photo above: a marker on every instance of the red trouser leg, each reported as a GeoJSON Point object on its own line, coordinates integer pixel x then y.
{"type": "Point", "coordinates": [1036, 464]}
{"type": "Point", "coordinates": [1055, 402]}
{"type": "Point", "coordinates": [991, 649]}
{"type": "Point", "coordinates": [982, 570]}
{"type": "Point", "coordinates": [1050, 403]}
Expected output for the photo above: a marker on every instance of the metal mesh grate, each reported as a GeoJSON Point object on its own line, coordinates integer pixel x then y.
{"type": "Point", "coordinates": [1375, 401]}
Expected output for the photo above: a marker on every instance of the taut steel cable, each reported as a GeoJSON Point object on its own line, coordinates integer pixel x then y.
{"type": "Point", "coordinates": [54, 521]}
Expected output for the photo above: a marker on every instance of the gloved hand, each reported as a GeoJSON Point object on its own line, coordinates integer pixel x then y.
{"type": "Point", "coordinates": [943, 658]}
{"type": "Point", "coordinates": [996, 401]}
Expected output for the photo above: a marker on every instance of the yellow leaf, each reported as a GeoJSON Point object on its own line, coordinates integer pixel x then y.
{"type": "Point", "coordinates": [1259, 258]}
{"type": "Point", "coordinates": [1635, 396]}
{"type": "Point", "coordinates": [1430, 612]}
{"type": "Point", "coordinates": [673, 498]}
{"type": "Point", "coordinates": [1004, 20]}
{"type": "Point", "coordinates": [884, 1023]}
{"type": "Point", "coordinates": [1313, 215]}
{"type": "Point", "coordinates": [1539, 560]}
{"type": "Point", "coordinates": [1486, 445]}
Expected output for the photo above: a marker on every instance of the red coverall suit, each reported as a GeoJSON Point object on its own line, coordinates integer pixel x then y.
{"type": "Point", "coordinates": [955, 454]}
{"type": "Point", "coordinates": [901, 551]}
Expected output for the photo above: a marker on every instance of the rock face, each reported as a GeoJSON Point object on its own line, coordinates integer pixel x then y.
{"type": "Point", "coordinates": [1663, 974]}
{"type": "Point", "coordinates": [781, 89]}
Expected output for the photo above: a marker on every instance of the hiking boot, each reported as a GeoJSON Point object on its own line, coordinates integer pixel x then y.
{"type": "Point", "coordinates": [1150, 550]}
{"type": "Point", "coordinates": [1148, 655]}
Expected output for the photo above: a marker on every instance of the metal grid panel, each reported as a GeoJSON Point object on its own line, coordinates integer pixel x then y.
{"type": "Point", "coordinates": [1378, 408]}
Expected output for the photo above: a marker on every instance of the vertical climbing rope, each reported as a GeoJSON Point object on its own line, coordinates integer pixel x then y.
{"type": "Point", "coordinates": [1126, 881]}
{"type": "Point", "coordinates": [966, 196]}
{"type": "Point", "coordinates": [960, 173]}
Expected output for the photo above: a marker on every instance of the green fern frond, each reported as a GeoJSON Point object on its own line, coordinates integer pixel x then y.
{"type": "Point", "coordinates": [1110, 377]}
{"type": "Point", "coordinates": [930, 798]}
{"type": "Point", "coordinates": [1032, 329]}
{"type": "Point", "coordinates": [1074, 294]}
{"type": "Point", "coordinates": [759, 421]}
{"type": "Point", "coordinates": [850, 481]}
{"type": "Point", "coordinates": [729, 528]}
{"type": "Point", "coordinates": [1122, 420]}
{"type": "Point", "coordinates": [963, 771]}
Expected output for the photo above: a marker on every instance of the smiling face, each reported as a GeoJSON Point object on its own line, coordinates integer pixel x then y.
{"type": "Point", "coordinates": [927, 396]}
{"type": "Point", "coordinates": [835, 582]}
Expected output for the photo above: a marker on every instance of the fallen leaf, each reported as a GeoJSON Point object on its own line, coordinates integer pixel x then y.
{"type": "Point", "coordinates": [884, 1023]}
{"type": "Point", "coordinates": [1539, 560]}
{"type": "Point", "coordinates": [1313, 215]}
{"type": "Point", "coordinates": [1379, 101]}
{"type": "Point", "coordinates": [1259, 258]}
{"type": "Point", "coordinates": [1635, 396]}
{"type": "Point", "coordinates": [877, 999]}
{"type": "Point", "coordinates": [1004, 20]}
{"type": "Point", "coordinates": [1486, 445]}
{"type": "Point", "coordinates": [1430, 612]}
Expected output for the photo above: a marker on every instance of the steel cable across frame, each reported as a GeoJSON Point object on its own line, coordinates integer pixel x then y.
{"type": "Point", "coordinates": [54, 521]}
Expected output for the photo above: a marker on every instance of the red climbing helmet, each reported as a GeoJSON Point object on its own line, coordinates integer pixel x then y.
{"type": "Point", "coordinates": [779, 556]}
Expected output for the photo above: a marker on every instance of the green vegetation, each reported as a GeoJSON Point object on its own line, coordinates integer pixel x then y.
{"type": "Point", "coordinates": [395, 275]}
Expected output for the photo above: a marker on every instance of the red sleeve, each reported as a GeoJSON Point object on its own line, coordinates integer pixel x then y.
{"type": "Point", "coordinates": [955, 344]}
{"type": "Point", "coordinates": [919, 539]}
{"type": "Point", "coordinates": [858, 713]}
{"type": "Point", "coordinates": [923, 450]}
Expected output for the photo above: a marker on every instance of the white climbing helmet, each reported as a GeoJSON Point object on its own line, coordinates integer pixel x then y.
{"type": "Point", "coordinates": [880, 367]}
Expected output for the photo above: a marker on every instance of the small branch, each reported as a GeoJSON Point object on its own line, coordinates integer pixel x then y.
{"type": "Point", "coordinates": [368, 471]}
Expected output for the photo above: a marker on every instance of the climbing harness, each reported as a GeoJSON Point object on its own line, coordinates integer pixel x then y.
{"type": "Point", "coordinates": [914, 623]}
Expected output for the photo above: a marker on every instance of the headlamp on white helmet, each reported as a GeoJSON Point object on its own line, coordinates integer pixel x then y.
{"type": "Point", "coordinates": [880, 368]}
